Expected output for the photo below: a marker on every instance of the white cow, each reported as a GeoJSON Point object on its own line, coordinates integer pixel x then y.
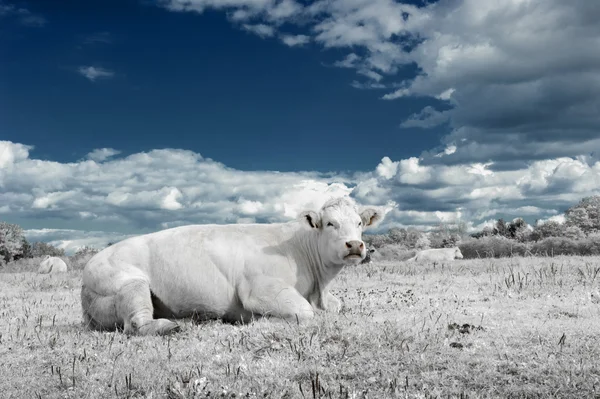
{"type": "Point", "coordinates": [232, 272]}
{"type": "Point", "coordinates": [52, 264]}
{"type": "Point", "coordinates": [438, 255]}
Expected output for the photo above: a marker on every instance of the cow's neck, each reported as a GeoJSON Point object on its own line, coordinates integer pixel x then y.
{"type": "Point", "coordinates": [320, 273]}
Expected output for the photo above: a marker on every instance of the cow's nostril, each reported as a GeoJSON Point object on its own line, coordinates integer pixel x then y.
{"type": "Point", "coordinates": [348, 245]}
{"type": "Point", "coordinates": [361, 246]}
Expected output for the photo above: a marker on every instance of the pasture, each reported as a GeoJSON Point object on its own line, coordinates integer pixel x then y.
{"type": "Point", "coordinates": [514, 327]}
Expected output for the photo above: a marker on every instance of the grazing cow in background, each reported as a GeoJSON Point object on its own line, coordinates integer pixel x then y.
{"type": "Point", "coordinates": [438, 255]}
{"type": "Point", "coordinates": [52, 264]}
{"type": "Point", "coordinates": [231, 272]}
{"type": "Point", "coordinates": [367, 258]}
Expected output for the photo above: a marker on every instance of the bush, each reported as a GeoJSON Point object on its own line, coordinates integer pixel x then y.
{"type": "Point", "coordinates": [492, 247]}
{"type": "Point", "coordinates": [43, 249]}
{"type": "Point", "coordinates": [81, 257]}
{"type": "Point", "coordinates": [395, 252]}
{"type": "Point", "coordinates": [552, 246]}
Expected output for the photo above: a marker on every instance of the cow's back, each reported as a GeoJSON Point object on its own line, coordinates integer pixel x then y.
{"type": "Point", "coordinates": [199, 264]}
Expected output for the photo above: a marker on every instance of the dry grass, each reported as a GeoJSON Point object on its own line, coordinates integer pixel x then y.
{"type": "Point", "coordinates": [475, 328]}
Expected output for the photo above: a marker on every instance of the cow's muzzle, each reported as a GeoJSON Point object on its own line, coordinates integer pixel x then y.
{"type": "Point", "coordinates": [355, 248]}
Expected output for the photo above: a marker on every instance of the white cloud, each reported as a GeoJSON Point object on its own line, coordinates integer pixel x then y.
{"type": "Point", "coordinates": [163, 188]}
{"type": "Point", "coordinates": [102, 154]}
{"type": "Point", "coordinates": [479, 168]}
{"type": "Point", "coordinates": [387, 169]}
{"type": "Point", "coordinates": [445, 95]}
{"type": "Point", "coordinates": [295, 40]}
{"type": "Point", "coordinates": [397, 94]}
{"type": "Point", "coordinates": [11, 152]}
{"type": "Point", "coordinates": [560, 219]}
{"type": "Point", "coordinates": [22, 15]}
{"type": "Point", "coordinates": [261, 30]}
{"type": "Point", "coordinates": [350, 61]}
{"type": "Point", "coordinates": [371, 74]}
{"type": "Point", "coordinates": [93, 73]}
{"type": "Point", "coordinates": [427, 118]}
{"type": "Point", "coordinates": [367, 85]}
{"type": "Point", "coordinates": [71, 240]}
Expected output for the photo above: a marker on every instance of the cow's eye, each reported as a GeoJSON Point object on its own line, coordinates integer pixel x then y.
{"type": "Point", "coordinates": [329, 224]}
{"type": "Point", "coordinates": [359, 224]}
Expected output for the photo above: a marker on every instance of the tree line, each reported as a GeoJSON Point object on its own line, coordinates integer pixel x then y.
{"type": "Point", "coordinates": [579, 234]}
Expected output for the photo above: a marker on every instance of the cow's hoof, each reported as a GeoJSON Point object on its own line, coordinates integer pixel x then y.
{"type": "Point", "coordinates": [159, 327]}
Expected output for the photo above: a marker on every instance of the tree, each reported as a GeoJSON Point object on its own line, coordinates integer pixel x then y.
{"type": "Point", "coordinates": [501, 228]}
{"type": "Point", "coordinates": [397, 235]}
{"type": "Point", "coordinates": [43, 249]}
{"type": "Point", "coordinates": [547, 229]}
{"type": "Point", "coordinates": [585, 215]}
{"type": "Point", "coordinates": [26, 249]}
{"type": "Point", "coordinates": [573, 232]}
{"type": "Point", "coordinates": [518, 229]}
{"type": "Point", "coordinates": [11, 241]}
{"type": "Point", "coordinates": [85, 251]}
{"type": "Point", "coordinates": [423, 242]}
{"type": "Point", "coordinates": [376, 240]}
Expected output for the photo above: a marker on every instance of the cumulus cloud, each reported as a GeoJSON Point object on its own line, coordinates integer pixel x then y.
{"type": "Point", "coordinates": [153, 190]}
{"type": "Point", "coordinates": [150, 190]}
{"type": "Point", "coordinates": [11, 152]}
{"type": "Point", "coordinates": [94, 73]}
{"type": "Point", "coordinates": [72, 240]}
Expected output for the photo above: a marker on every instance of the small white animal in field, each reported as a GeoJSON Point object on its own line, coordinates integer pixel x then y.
{"type": "Point", "coordinates": [230, 272]}
{"type": "Point", "coordinates": [438, 255]}
{"type": "Point", "coordinates": [52, 264]}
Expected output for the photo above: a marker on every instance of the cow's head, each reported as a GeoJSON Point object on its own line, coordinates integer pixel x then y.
{"type": "Point", "coordinates": [457, 253]}
{"type": "Point", "coordinates": [339, 226]}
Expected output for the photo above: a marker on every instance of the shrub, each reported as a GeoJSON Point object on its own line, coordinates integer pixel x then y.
{"type": "Point", "coordinates": [395, 252]}
{"type": "Point", "coordinates": [42, 249]}
{"type": "Point", "coordinates": [567, 246]}
{"type": "Point", "coordinates": [82, 256]}
{"type": "Point", "coordinates": [492, 247]}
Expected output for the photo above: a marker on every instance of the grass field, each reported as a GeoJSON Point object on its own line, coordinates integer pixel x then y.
{"type": "Point", "coordinates": [520, 327]}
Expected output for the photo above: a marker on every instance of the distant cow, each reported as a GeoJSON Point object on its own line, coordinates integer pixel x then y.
{"type": "Point", "coordinates": [52, 264]}
{"type": "Point", "coordinates": [230, 272]}
{"type": "Point", "coordinates": [367, 258]}
{"type": "Point", "coordinates": [438, 255]}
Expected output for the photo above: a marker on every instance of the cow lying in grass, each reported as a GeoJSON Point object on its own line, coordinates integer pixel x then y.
{"type": "Point", "coordinates": [438, 255]}
{"type": "Point", "coordinates": [231, 272]}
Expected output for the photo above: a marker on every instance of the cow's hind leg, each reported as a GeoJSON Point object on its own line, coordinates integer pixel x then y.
{"type": "Point", "coordinates": [269, 296]}
{"type": "Point", "coordinates": [134, 307]}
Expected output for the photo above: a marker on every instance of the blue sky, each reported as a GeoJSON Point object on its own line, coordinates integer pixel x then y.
{"type": "Point", "coordinates": [123, 117]}
{"type": "Point", "coordinates": [183, 80]}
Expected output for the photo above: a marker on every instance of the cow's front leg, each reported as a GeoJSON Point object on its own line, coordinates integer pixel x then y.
{"type": "Point", "coordinates": [328, 302]}
{"type": "Point", "coordinates": [271, 296]}
{"type": "Point", "coordinates": [332, 304]}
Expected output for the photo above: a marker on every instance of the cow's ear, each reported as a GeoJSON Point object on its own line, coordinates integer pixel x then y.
{"type": "Point", "coordinates": [370, 217]}
{"type": "Point", "coordinates": [311, 218]}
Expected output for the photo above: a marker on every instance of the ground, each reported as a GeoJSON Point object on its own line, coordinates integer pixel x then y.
{"type": "Point", "coordinates": [519, 327]}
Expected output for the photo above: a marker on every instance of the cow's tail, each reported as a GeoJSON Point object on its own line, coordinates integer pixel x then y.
{"type": "Point", "coordinates": [99, 312]}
